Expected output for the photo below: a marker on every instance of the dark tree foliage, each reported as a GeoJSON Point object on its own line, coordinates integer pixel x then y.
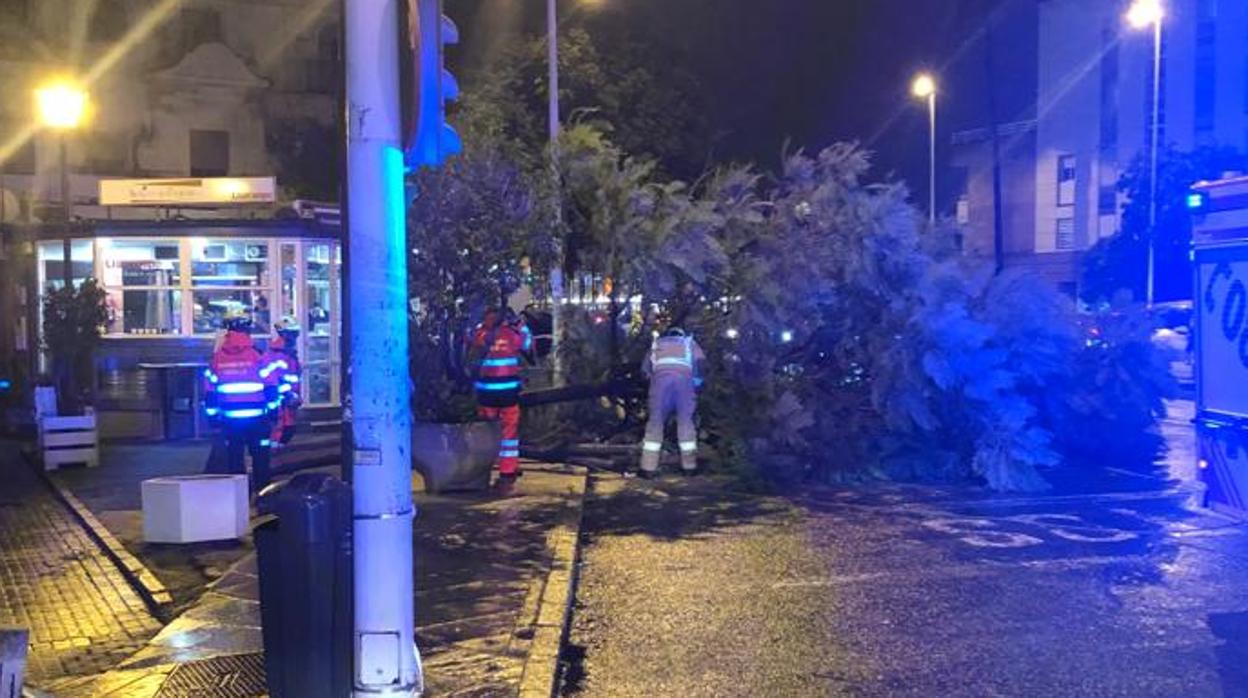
{"type": "Point", "coordinates": [73, 321]}
{"type": "Point", "coordinates": [651, 107]}
{"type": "Point", "coordinates": [1120, 262]}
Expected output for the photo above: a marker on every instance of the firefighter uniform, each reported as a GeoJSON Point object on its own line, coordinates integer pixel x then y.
{"type": "Point", "coordinates": [500, 343]}
{"type": "Point", "coordinates": [674, 366]}
{"type": "Point", "coordinates": [240, 393]}
{"type": "Point", "coordinates": [283, 358]}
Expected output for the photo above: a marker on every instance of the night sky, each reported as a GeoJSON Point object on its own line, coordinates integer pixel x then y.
{"type": "Point", "coordinates": [810, 71]}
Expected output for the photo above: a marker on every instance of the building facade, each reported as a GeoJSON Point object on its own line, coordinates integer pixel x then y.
{"type": "Point", "coordinates": [1093, 118]}
{"type": "Point", "coordinates": [178, 89]}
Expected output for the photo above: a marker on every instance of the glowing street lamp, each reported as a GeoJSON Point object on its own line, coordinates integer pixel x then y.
{"type": "Point", "coordinates": [924, 87]}
{"type": "Point", "coordinates": [1146, 14]}
{"type": "Point", "coordinates": [62, 107]}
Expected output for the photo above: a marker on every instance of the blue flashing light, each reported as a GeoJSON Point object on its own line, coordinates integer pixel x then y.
{"type": "Point", "coordinates": [1197, 201]}
{"type": "Point", "coordinates": [786, 336]}
{"type": "Point", "coordinates": [244, 414]}
{"type": "Point", "coordinates": [5, 384]}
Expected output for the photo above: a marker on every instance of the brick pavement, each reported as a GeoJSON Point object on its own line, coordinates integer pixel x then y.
{"type": "Point", "coordinates": [83, 616]}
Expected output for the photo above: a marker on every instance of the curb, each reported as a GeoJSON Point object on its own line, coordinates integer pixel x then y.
{"type": "Point", "coordinates": [153, 592]}
{"type": "Point", "coordinates": [548, 608]}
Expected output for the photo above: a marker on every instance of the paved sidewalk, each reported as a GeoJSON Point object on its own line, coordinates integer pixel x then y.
{"type": "Point", "coordinates": [83, 615]}
{"type": "Point", "coordinates": [483, 572]}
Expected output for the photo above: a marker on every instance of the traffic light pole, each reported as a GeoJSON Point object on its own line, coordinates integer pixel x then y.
{"type": "Point", "coordinates": [387, 662]}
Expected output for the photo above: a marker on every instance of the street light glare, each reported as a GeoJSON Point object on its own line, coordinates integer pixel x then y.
{"type": "Point", "coordinates": [924, 86]}
{"type": "Point", "coordinates": [1145, 13]}
{"type": "Point", "coordinates": [61, 105]}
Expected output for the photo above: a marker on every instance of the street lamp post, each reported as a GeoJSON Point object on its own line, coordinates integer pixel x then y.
{"type": "Point", "coordinates": [62, 107]}
{"type": "Point", "coordinates": [556, 274]}
{"type": "Point", "coordinates": [1144, 14]}
{"type": "Point", "coordinates": [924, 87]}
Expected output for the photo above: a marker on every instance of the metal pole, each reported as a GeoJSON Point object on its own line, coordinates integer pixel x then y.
{"type": "Point", "coordinates": [931, 202]}
{"type": "Point", "coordinates": [387, 662]}
{"type": "Point", "coordinates": [67, 250]}
{"type": "Point", "coordinates": [1154, 145]}
{"type": "Point", "coordinates": [556, 274]}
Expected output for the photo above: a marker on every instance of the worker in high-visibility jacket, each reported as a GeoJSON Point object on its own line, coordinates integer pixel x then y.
{"type": "Point", "coordinates": [674, 366]}
{"type": "Point", "coordinates": [495, 352]}
{"type": "Point", "coordinates": [240, 394]}
{"type": "Point", "coordinates": [283, 357]}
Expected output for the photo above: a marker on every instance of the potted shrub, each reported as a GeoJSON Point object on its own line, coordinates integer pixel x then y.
{"type": "Point", "coordinates": [471, 226]}
{"type": "Point", "coordinates": [73, 322]}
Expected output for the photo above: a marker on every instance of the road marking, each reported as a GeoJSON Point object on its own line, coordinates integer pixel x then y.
{"type": "Point", "coordinates": [835, 580]}
{"type": "Point", "coordinates": [972, 532]}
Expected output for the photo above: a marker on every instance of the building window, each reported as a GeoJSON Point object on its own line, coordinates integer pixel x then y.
{"type": "Point", "coordinates": [15, 10]}
{"type": "Point", "coordinates": [1065, 239]}
{"type": "Point", "coordinates": [1107, 199]}
{"type": "Point", "coordinates": [143, 281]}
{"type": "Point", "coordinates": [52, 263]}
{"type": "Point", "coordinates": [200, 26]}
{"type": "Point", "coordinates": [1067, 166]}
{"type": "Point", "coordinates": [231, 276]}
{"type": "Point", "coordinates": [108, 22]}
{"type": "Point", "coordinates": [105, 154]}
{"type": "Point", "coordinates": [210, 153]}
{"type": "Point", "coordinates": [321, 360]}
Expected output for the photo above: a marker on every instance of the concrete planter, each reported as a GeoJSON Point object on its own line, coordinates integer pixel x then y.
{"type": "Point", "coordinates": [455, 457]}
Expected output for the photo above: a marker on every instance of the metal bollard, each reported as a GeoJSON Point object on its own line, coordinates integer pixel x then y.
{"type": "Point", "coordinates": [13, 644]}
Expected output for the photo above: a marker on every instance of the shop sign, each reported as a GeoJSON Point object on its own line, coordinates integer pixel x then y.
{"type": "Point", "coordinates": [187, 192]}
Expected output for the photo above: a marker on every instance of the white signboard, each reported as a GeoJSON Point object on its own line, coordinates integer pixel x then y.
{"type": "Point", "coordinates": [1222, 329]}
{"type": "Point", "coordinates": [188, 192]}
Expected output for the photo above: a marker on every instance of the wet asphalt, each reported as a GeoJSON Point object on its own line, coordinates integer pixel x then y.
{"type": "Point", "coordinates": [1109, 585]}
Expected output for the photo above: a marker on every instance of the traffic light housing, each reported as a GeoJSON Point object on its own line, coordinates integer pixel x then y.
{"type": "Point", "coordinates": [428, 139]}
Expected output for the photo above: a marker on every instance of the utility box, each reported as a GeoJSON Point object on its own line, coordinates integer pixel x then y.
{"type": "Point", "coordinates": [304, 557]}
{"type": "Point", "coordinates": [1220, 319]}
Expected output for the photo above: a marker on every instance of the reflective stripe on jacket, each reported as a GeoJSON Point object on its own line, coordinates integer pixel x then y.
{"type": "Point", "coordinates": [497, 376]}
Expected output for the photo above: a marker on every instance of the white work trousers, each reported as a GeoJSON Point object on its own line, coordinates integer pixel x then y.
{"type": "Point", "coordinates": [671, 392]}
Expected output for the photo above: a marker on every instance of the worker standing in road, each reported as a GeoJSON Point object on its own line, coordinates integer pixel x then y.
{"type": "Point", "coordinates": [495, 351]}
{"type": "Point", "coordinates": [674, 366]}
{"type": "Point", "coordinates": [240, 393]}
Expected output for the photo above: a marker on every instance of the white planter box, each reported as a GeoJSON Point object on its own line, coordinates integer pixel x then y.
{"type": "Point", "coordinates": [68, 440]}
{"type": "Point", "coordinates": [195, 508]}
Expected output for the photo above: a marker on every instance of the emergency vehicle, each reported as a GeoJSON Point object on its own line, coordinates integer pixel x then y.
{"type": "Point", "coordinates": [1220, 327]}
